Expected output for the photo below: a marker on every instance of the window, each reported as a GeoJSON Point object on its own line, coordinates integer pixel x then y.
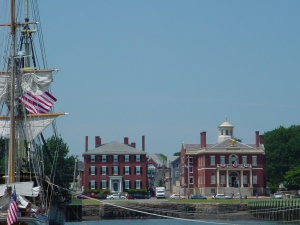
{"type": "Point", "coordinates": [115, 170]}
{"type": "Point", "coordinates": [245, 179]}
{"type": "Point", "coordinates": [138, 184]}
{"type": "Point", "coordinates": [222, 179]}
{"type": "Point", "coordinates": [191, 169]}
{"type": "Point", "coordinates": [127, 184]}
{"type": "Point", "coordinates": [254, 179]}
{"type": "Point", "coordinates": [104, 170]}
{"type": "Point", "coordinates": [115, 158]}
{"type": "Point", "coordinates": [254, 160]}
{"type": "Point", "coordinates": [177, 174]}
{"type": "Point", "coordinates": [222, 132]}
{"type": "Point", "coordinates": [226, 132]}
{"type": "Point", "coordinates": [212, 160]}
{"type": "Point", "coordinates": [92, 184]}
{"type": "Point", "coordinates": [190, 160]}
{"type": "Point", "coordinates": [137, 158]}
{"type": "Point", "coordinates": [103, 184]}
{"type": "Point", "coordinates": [138, 170]}
{"type": "Point", "coordinates": [126, 158]}
{"type": "Point", "coordinates": [191, 181]}
{"type": "Point", "coordinates": [126, 170]}
{"type": "Point", "coordinates": [177, 165]}
{"type": "Point", "coordinates": [213, 179]}
{"type": "Point", "coordinates": [222, 159]}
{"type": "Point", "coordinates": [92, 170]}
{"type": "Point", "coordinates": [244, 159]}
{"type": "Point", "coordinates": [92, 158]}
{"type": "Point", "coordinates": [103, 158]}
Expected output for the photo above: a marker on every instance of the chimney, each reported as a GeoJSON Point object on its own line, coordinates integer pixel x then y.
{"type": "Point", "coordinates": [261, 139]}
{"type": "Point", "coordinates": [97, 141]}
{"type": "Point", "coordinates": [126, 140]}
{"type": "Point", "coordinates": [257, 138]}
{"type": "Point", "coordinates": [143, 142]}
{"type": "Point", "coordinates": [86, 143]}
{"type": "Point", "coordinates": [204, 139]}
{"type": "Point", "coordinates": [133, 144]}
{"type": "Point", "coordinates": [201, 139]}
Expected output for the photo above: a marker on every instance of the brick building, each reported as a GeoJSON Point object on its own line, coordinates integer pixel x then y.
{"type": "Point", "coordinates": [226, 167]}
{"type": "Point", "coordinates": [115, 166]}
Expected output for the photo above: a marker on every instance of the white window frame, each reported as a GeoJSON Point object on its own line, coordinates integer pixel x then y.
{"type": "Point", "coordinates": [103, 184]}
{"type": "Point", "coordinates": [191, 181]}
{"type": "Point", "coordinates": [223, 179]}
{"type": "Point", "coordinates": [213, 179]}
{"type": "Point", "coordinates": [222, 159]}
{"type": "Point", "coordinates": [93, 170]}
{"type": "Point", "coordinates": [254, 179]}
{"type": "Point", "coordinates": [126, 158]}
{"type": "Point", "coordinates": [126, 184]}
{"type": "Point", "coordinates": [137, 184]}
{"type": "Point", "coordinates": [93, 184]}
{"type": "Point", "coordinates": [244, 158]}
{"type": "Point", "coordinates": [191, 169]}
{"type": "Point", "coordinates": [126, 170]}
{"type": "Point", "coordinates": [177, 173]}
{"type": "Point", "coordinates": [212, 160]}
{"type": "Point", "coordinates": [104, 170]}
{"type": "Point", "coordinates": [137, 158]}
{"type": "Point", "coordinates": [104, 158]}
{"type": "Point", "coordinates": [115, 158]}
{"type": "Point", "coordinates": [115, 170]}
{"type": "Point", "coordinates": [92, 158]}
{"type": "Point", "coordinates": [190, 159]}
{"type": "Point", "coordinates": [137, 170]}
{"type": "Point", "coordinates": [254, 160]}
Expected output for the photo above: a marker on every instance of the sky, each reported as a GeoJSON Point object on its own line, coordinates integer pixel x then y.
{"type": "Point", "coordinates": [170, 69]}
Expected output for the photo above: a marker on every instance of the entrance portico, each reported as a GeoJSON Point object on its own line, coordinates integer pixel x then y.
{"type": "Point", "coordinates": [115, 184]}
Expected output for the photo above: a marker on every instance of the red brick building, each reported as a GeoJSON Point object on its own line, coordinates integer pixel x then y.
{"type": "Point", "coordinates": [115, 166]}
{"type": "Point", "coordinates": [226, 167]}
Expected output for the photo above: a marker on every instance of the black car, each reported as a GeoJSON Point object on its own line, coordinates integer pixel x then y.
{"type": "Point", "coordinates": [138, 196]}
{"type": "Point", "coordinates": [296, 196]}
{"type": "Point", "coordinates": [198, 197]}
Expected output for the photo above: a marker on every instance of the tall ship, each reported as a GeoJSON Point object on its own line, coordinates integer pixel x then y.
{"type": "Point", "coordinates": [28, 195]}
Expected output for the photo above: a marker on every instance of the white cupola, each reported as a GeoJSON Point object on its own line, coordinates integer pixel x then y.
{"type": "Point", "coordinates": [225, 131]}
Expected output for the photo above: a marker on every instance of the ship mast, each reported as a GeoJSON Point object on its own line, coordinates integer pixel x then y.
{"type": "Point", "coordinates": [11, 163]}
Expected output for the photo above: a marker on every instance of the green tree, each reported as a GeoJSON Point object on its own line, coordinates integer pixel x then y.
{"type": "Point", "coordinates": [282, 153]}
{"type": "Point", "coordinates": [176, 154]}
{"type": "Point", "coordinates": [59, 167]}
{"type": "Point", "coordinates": [292, 178]}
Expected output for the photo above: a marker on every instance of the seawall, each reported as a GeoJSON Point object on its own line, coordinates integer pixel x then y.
{"type": "Point", "coordinates": [159, 210]}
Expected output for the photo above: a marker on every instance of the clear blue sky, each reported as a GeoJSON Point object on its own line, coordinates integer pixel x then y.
{"type": "Point", "coordinates": [171, 69]}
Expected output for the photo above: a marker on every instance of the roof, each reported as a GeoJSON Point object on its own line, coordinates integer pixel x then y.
{"type": "Point", "coordinates": [157, 158]}
{"type": "Point", "coordinates": [114, 147]}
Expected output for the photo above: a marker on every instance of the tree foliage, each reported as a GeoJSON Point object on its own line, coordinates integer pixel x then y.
{"type": "Point", "coordinates": [59, 167]}
{"type": "Point", "coordinates": [282, 154]}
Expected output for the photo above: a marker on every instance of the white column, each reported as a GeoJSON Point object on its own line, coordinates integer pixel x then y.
{"type": "Point", "coordinates": [218, 178]}
{"type": "Point", "coordinates": [251, 181]}
{"type": "Point", "coordinates": [242, 180]}
{"type": "Point", "coordinates": [227, 179]}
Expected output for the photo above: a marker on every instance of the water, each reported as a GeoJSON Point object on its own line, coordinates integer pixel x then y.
{"type": "Point", "coordinates": [172, 222]}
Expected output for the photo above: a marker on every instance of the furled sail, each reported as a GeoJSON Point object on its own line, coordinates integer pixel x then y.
{"type": "Point", "coordinates": [35, 83]}
{"type": "Point", "coordinates": [27, 128]}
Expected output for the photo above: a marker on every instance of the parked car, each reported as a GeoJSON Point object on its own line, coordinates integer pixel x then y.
{"type": "Point", "coordinates": [277, 195]}
{"type": "Point", "coordinates": [198, 197]}
{"type": "Point", "coordinates": [137, 196]}
{"type": "Point", "coordinates": [115, 196]}
{"type": "Point", "coordinates": [102, 196]}
{"type": "Point", "coordinates": [177, 196]}
{"type": "Point", "coordinates": [296, 196]}
{"type": "Point", "coordinates": [220, 196]}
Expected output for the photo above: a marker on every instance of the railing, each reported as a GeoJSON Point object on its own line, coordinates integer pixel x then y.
{"type": "Point", "coordinates": [244, 166]}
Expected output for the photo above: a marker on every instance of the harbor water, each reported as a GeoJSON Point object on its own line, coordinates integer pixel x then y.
{"type": "Point", "coordinates": [239, 221]}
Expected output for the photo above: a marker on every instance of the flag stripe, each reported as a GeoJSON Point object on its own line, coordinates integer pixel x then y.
{"type": "Point", "coordinates": [12, 215]}
{"type": "Point", "coordinates": [38, 104]}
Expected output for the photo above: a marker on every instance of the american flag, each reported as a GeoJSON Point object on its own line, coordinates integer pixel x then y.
{"type": "Point", "coordinates": [38, 104]}
{"type": "Point", "coordinates": [13, 209]}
